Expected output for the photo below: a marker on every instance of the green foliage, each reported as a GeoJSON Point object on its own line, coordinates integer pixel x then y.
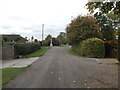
{"type": "Point", "coordinates": [93, 48]}
{"type": "Point", "coordinates": [23, 49]}
{"type": "Point", "coordinates": [46, 43]}
{"type": "Point", "coordinates": [106, 8]}
{"type": "Point", "coordinates": [37, 53]}
{"type": "Point", "coordinates": [81, 28]}
{"type": "Point", "coordinates": [62, 38]}
{"type": "Point", "coordinates": [55, 42]}
{"type": "Point", "coordinates": [35, 40]}
{"type": "Point", "coordinates": [48, 37]}
{"type": "Point", "coordinates": [107, 28]}
{"type": "Point", "coordinates": [8, 43]}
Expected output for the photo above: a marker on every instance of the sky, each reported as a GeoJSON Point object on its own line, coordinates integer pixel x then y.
{"type": "Point", "coordinates": [25, 17]}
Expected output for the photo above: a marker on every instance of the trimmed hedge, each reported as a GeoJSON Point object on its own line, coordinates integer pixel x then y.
{"type": "Point", "coordinates": [93, 48]}
{"type": "Point", "coordinates": [23, 49]}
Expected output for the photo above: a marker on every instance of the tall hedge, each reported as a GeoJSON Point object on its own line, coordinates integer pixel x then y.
{"type": "Point", "coordinates": [22, 49]}
{"type": "Point", "coordinates": [92, 47]}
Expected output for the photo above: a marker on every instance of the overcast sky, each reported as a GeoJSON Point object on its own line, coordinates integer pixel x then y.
{"type": "Point", "coordinates": [25, 17]}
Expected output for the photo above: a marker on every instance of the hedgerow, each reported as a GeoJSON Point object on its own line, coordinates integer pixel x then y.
{"type": "Point", "coordinates": [23, 49]}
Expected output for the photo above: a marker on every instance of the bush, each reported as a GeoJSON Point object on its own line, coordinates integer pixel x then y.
{"type": "Point", "coordinates": [92, 47]}
{"type": "Point", "coordinates": [45, 43]}
{"type": "Point", "coordinates": [23, 49]}
{"type": "Point", "coordinates": [110, 49]}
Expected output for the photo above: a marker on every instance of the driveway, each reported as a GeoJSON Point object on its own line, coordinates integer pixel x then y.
{"type": "Point", "coordinates": [18, 62]}
{"type": "Point", "coordinates": [59, 69]}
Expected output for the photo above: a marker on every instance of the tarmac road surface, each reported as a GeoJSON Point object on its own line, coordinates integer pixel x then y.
{"type": "Point", "coordinates": [59, 69]}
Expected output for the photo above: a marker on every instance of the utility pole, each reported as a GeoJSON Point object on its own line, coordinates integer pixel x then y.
{"type": "Point", "coordinates": [42, 33]}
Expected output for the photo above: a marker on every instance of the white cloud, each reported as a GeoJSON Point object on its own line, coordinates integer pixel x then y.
{"type": "Point", "coordinates": [26, 17]}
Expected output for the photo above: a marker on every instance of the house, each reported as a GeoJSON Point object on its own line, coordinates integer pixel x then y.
{"type": "Point", "coordinates": [13, 38]}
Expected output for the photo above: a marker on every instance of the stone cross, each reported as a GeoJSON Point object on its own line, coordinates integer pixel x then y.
{"type": "Point", "coordinates": [51, 43]}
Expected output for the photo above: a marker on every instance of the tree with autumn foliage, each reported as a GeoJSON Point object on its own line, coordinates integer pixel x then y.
{"type": "Point", "coordinates": [110, 9]}
{"type": "Point", "coordinates": [81, 28]}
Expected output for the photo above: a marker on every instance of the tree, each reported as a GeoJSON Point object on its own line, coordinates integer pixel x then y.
{"type": "Point", "coordinates": [48, 37]}
{"type": "Point", "coordinates": [46, 42]}
{"type": "Point", "coordinates": [81, 28]}
{"type": "Point", "coordinates": [55, 41]}
{"type": "Point", "coordinates": [106, 8]}
{"type": "Point", "coordinates": [106, 26]}
{"type": "Point", "coordinates": [35, 40]}
{"type": "Point", "coordinates": [62, 38]}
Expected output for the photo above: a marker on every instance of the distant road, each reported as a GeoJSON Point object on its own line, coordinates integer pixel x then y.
{"type": "Point", "coordinates": [59, 69]}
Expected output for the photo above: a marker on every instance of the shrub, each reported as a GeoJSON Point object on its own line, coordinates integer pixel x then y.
{"type": "Point", "coordinates": [45, 43]}
{"type": "Point", "coordinates": [92, 47]}
{"type": "Point", "coordinates": [110, 49]}
{"type": "Point", "coordinates": [23, 49]}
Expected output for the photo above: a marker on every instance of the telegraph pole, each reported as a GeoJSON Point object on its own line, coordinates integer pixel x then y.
{"type": "Point", "coordinates": [42, 33]}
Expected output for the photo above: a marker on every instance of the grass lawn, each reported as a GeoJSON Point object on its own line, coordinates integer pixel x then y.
{"type": "Point", "coordinates": [9, 74]}
{"type": "Point", "coordinates": [37, 53]}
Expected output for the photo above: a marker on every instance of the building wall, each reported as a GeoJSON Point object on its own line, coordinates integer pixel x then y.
{"type": "Point", "coordinates": [7, 52]}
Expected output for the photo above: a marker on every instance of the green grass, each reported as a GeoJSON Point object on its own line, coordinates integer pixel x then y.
{"type": "Point", "coordinates": [9, 74]}
{"type": "Point", "coordinates": [37, 53]}
{"type": "Point", "coordinates": [74, 53]}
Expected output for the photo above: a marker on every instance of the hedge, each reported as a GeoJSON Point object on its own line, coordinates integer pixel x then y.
{"type": "Point", "coordinates": [93, 48]}
{"type": "Point", "coordinates": [110, 49]}
{"type": "Point", "coordinates": [23, 49]}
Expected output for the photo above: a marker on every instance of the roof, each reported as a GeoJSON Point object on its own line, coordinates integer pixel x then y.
{"type": "Point", "coordinates": [13, 37]}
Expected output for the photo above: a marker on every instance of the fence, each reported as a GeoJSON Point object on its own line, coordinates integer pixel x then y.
{"type": "Point", "coordinates": [8, 52]}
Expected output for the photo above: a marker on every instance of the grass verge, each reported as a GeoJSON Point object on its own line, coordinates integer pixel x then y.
{"type": "Point", "coordinates": [37, 53]}
{"type": "Point", "coordinates": [114, 63]}
{"type": "Point", "coordinates": [74, 53]}
{"type": "Point", "coordinates": [9, 74]}
{"type": "Point", "coordinates": [62, 46]}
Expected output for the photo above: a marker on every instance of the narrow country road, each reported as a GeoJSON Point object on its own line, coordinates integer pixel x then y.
{"type": "Point", "coordinates": [59, 69]}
